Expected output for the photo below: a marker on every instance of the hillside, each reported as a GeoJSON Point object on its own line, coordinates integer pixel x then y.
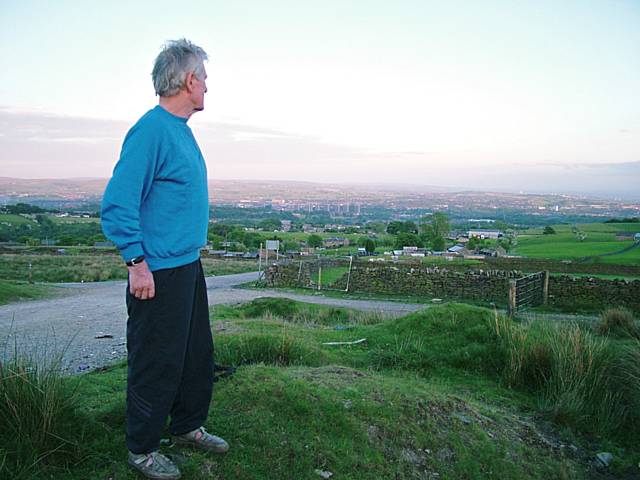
{"type": "Point", "coordinates": [435, 394]}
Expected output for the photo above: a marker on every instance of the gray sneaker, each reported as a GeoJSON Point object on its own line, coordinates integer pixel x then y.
{"type": "Point", "coordinates": [200, 438]}
{"type": "Point", "coordinates": [154, 465]}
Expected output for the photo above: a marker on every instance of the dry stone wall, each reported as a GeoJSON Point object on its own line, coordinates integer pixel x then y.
{"type": "Point", "coordinates": [478, 285]}
{"type": "Point", "coordinates": [489, 286]}
{"type": "Point", "coordinates": [593, 293]}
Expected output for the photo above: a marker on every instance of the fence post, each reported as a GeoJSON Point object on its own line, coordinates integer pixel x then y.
{"type": "Point", "coordinates": [511, 309]}
{"type": "Point", "coordinates": [545, 288]}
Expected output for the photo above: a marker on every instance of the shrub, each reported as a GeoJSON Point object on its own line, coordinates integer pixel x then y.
{"type": "Point", "coordinates": [618, 322]}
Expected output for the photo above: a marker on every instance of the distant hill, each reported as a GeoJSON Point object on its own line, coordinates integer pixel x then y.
{"type": "Point", "coordinates": [297, 195]}
{"type": "Point", "coordinates": [220, 191]}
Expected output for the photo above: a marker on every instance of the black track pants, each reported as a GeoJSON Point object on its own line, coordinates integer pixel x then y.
{"type": "Point", "coordinates": [170, 358]}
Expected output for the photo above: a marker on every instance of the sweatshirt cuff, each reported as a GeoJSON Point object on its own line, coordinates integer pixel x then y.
{"type": "Point", "coordinates": [131, 251]}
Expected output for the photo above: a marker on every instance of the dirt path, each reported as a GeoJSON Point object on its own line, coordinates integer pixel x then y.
{"type": "Point", "coordinates": [70, 321]}
{"type": "Point", "coordinates": [610, 254]}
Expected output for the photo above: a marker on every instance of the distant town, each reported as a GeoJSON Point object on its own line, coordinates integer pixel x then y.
{"type": "Point", "coordinates": [339, 204]}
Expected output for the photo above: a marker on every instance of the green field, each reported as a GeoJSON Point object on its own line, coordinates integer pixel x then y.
{"type": "Point", "coordinates": [93, 268]}
{"type": "Point", "coordinates": [19, 219]}
{"type": "Point", "coordinates": [63, 220]}
{"type": "Point", "coordinates": [450, 392]}
{"type": "Point", "coordinates": [600, 239]}
{"type": "Point", "coordinates": [329, 275]}
{"type": "Point", "coordinates": [14, 219]}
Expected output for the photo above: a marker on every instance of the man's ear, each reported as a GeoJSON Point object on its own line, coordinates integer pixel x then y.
{"type": "Point", "coordinates": [188, 82]}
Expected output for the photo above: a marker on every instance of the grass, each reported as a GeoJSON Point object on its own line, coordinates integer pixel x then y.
{"type": "Point", "coordinates": [12, 291]}
{"type": "Point", "coordinates": [604, 276]}
{"type": "Point", "coordinates": [577, 377]}
{"type": "Point", "coordinates": [329, 275]}
{"type": "Point", "coordinates": [618, 322]}
{"type": "Point", "coordinates": [15, 219]}
{"type": "Point", "coordinates": [600, 239]}
{"type": "Point", "coordinates": [39, 420]}
{"type": "Point", "coordinates": [92, 268]}
{"type": "Point", "coordinates": [628, 258]}
{"type": "Point", "coordinates": [453, 390]}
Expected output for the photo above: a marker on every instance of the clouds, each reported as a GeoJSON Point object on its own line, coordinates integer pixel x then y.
{"type": "Point", "coordinates": [42, 145]}
{"type": "Point", "coordinates": [35, 144]}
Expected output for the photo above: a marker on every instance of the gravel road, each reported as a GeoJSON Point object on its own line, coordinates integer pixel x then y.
{"type": "Point", "coordinates": [69, 323]}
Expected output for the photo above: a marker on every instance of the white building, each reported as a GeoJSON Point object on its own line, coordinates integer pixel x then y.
{"type": "Point", "coordinates": [482, 234]}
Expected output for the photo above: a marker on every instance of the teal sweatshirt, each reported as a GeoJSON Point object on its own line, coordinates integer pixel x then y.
{"type": "Point", "coordinates": [156, 203]}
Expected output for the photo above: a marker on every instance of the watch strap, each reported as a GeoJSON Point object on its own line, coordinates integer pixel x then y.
{"type": "Point", "coordinates": [135, 261]}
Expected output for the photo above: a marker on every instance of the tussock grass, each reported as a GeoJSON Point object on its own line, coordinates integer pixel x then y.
{"type": "Point", "coordinates": [299, 313]}
{"type": "Point", "coordinates": [618, 322]}
{"type": "Point", "coordinates": [38, 420]}
{"type": "Point", "coordinates": [272, 349]}
{"type": "Point", "coordinates": [580, 379]}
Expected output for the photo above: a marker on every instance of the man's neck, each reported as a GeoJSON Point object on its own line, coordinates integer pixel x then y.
{"type": "Point", "coordinates": [177, 106]}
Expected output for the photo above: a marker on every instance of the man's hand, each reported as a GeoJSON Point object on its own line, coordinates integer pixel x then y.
{"type": "Point", "coordinates": [141, 284]}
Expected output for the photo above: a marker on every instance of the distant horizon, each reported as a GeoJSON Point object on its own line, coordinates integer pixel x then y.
{"type": "Point", "coordinates": [389, 185]}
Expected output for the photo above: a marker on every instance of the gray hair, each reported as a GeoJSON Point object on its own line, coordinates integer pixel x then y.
{"type": "Point", "coordinates": [177, 59]}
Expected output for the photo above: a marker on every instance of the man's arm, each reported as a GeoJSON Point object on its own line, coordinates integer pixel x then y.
{"type": "Point", "coordinates": [129, 185]}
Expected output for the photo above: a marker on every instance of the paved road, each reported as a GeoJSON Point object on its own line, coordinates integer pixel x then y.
{"type": "Point", "coordinates": [70, 321]}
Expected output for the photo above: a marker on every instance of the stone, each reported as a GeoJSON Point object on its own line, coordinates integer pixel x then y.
{"type": "Point", "coordinates": [463, 418]}
{"type": "Point", "coordinates": [411, 456]}
{"type": "Point", "coordinates": [605, 458]}
{"type": "Point", "coordinates": [323, 474]}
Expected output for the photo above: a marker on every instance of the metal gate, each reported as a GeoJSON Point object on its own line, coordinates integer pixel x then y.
{"type": "Point", "coordinates": [529, 291]}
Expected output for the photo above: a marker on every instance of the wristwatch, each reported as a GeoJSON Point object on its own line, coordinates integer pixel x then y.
{"type": "Point", "coordinates": [135, 261]}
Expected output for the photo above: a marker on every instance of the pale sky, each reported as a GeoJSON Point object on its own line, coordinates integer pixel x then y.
{"type": "Point", "coordinates": [537, 95]}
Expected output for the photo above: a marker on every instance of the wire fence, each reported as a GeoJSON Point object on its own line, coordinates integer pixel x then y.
{"type": "Point", "coordinates": [319, 273]}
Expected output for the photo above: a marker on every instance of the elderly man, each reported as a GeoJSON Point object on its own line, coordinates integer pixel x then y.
{"type": "Point", "coordinates": [155, 209]}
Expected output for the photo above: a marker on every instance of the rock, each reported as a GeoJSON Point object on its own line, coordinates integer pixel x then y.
{"type": "Point", "coordinates": [463, 418]}
{"type": "Point", "coordinates": [605, 458]}
{"type": "Point", "coordinates": [445, 455]}
{"type": "Point", "coordinates": [83, 367]}
{"type": "Point", "coordinates": [411, 456]}
{"type": "Point", "coordinates": [323, 474]}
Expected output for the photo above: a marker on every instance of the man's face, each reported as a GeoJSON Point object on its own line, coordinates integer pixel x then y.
{"type": "Point", "coordinates": [199, 89]}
